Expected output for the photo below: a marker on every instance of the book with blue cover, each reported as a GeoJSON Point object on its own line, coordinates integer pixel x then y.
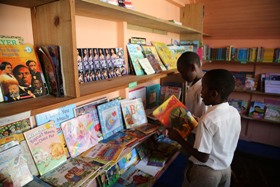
{"type": "Point", "coordinates": [135, 53]}
{"type": "Point", "coordinates": [110, 117]}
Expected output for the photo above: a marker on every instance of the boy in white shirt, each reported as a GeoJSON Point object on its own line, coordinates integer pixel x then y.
{"type": "Point", "coordinates": [216, 136]}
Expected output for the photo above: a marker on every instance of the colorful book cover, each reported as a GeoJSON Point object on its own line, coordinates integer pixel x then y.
{"type": "Point", "coordinates": [104, 153]}
{"type": "Point", "coordinates": [37, 182]}
{"type": "Point", "coordinates": [174, 114]}
{"type": "Point", "coordinates": [15, 128]}
{"type": "Point", "coordinates": [19, 60]}
{"type": "Point", "coordinates": [110, 117]}
{"type": "Point", "coordinates": [133, 113]}
{"type": "Point", "coordinates": [71, 173]}
{"type": "Point", "coordinates": [128, 160]}
{"type": "Point", "coordinates": [157, 159]}
{"type": "Point", "coordinates": [146, 66]}
{"type": "Point", "coordinates": [92, 110]}
{"type": "Point", "coordinates": [151, 53]}
{"type": "Point", "coordinates": [153, 95]}
{"type": "Point", "coordinates": [58, 116]}
{"type": "Point", "coordinates": [47, 150]}
{"type": "Point", "coordinates": [13, 164]}
{"type": "Point", "coordinates": [112, 175]}
{"type": "Point", "coordinates": [179, 50]}
{"type": "Point", "coordinates": [120, 138]}
{"type": "Point", "coordinates": [257, 110]}
{"type": "Point", "coordinates": [79, 134]}
{"type": "Point", "coordinates": [167, 57]}
{"type": "Point", "coordinates": [272, 112]}
{"type": "Point", "coordinates": [117, 62]}
{"type": "Point", "coordinates": [135, 177]}
{"type": "Point", "coordinates": [138, 93]}
{"type": "Point", "coordinates": [147, 128]}
{"type": "Point", "coordinates": [120, 61]}
{"type": "Point", "coordinates": [135, 53]}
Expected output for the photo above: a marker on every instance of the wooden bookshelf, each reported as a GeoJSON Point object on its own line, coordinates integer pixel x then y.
{"type": "Point", "coordinates": [260, 120]}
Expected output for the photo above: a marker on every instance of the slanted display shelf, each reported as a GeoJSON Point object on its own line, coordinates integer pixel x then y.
{"type": "Point", "coordinates": [260, 120]}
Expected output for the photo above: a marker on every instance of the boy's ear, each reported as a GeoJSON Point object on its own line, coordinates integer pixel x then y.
{"type": "Point", "coordinates": [214, 93]}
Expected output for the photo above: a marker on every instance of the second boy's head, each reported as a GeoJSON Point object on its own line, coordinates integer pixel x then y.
{"type": "Point", "coordinates": [189, 66]}
{"type": "Point", "coordinates": [217, 85]}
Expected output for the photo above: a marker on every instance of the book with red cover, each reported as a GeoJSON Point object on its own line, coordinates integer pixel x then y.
{"type": "Point", "coordinates": [174, 114]}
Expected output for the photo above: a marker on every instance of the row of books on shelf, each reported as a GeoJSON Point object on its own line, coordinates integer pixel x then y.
{"type": "Point", "coordinates": [90, 136]}
{"type": "Point", "coordinates": [244, 54]}
{"type": "Point", "coordinates": [269, 109]}
{"type": "Point", "coordinates": [28, 71]}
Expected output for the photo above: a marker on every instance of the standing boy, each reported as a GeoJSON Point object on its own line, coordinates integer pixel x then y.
{"type": "Point", "coordinates": [189, 67]}
{"type": "Point", "coordinates": [216, 136]}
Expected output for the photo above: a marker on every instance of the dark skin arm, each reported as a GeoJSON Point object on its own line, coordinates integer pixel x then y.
{"type": "Point", "coordinates": [174, 135]}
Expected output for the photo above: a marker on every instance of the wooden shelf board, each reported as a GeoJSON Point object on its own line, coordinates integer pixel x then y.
{"type": "Point", "coordinates": [36, 105]}
{"type": "Point", "coordinates": [101, 10]}
{"type": "Point", "coordinates": [97, 88]}
{"type": "Point", "coordinates": [26, 3]}
{"type": "Point", "coordinates": [260, 120]}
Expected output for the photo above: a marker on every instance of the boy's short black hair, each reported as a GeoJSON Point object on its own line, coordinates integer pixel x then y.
{"type": "Point", "coordinates": [220, 80]}
{"type": "Point", "coordinates": [189, 58]}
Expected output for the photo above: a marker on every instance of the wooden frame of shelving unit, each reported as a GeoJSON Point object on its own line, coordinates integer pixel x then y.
{"type": "Point", "coordinates": [53, 23]}
{"type": "Point", "coordinates": [256, 130]}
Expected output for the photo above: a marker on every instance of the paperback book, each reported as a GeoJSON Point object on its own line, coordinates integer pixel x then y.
{"type": "Point", "coordinates": [13, 164]}
{"type": "Point", "coordinates": [138, 93]}
{"type": "Point", "coordinates": [128, 160]}
{"type": "Point", "coordinates": [135, 53]}
{"type": "Point", "coordinates": [18, 60]}
{"type": "Point", "coordinates": [257, 110]}
{"type": "Point", "coordinates": [46, 148]}
{"type": "Point", "coordinates": [152, 55]}
{"type": "Point", "coordinates": [174, 114]}
{"type": "Point", "coordinates": [110, 117]}
{"type": "Point", "coordinates": [153, 95]}
{"type": "Point", "coordinates": [92, 110]}
{"type": "Point", "coordinates": [71, 173]}
{"type": "Point", "coordinates": [79, 134]}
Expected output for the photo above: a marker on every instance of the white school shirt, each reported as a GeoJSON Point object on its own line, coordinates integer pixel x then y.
{"type": "Point", "coordinates": [217, 134]}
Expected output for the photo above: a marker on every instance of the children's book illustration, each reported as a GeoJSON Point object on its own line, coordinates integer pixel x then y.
{"type": "Point", "coordinates": [173, 113]}
{"type": "Point", "coordinates": [152, 55]}
{"type": "Point", "coordinates": [135, 53]}
{"type": "Point", "coordinates": [110, 118]}
{"type": "Point", "coordinates": [46, 148]}
{"type": "Point", "coordinates": [133, 113]}
{"type": "Point", "coordinates": [153, 95]}
{"type": "Point", "coordinates": [79, 134]}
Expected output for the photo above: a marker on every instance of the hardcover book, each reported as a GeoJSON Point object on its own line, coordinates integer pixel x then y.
{"type": "Point", "coordinates": [174, 114]}
{"type": "Point", "coordinates": [135, 53]}
{"type": "Point", "coordinates": [153, 95]}
{"type": "Point", "coordinates": [92, 110]}
{"type": "Point", "coordinates": [138, 93]}
{"type": "Point", "coordinates": [110, 117]}
{"type": "Point", "coordinates": [46, 148]}
{"type": "Point", "coordinates": [13, 164]}
{"type": "Point", "coordinates": [133, 113]}
{"type": "Point", "coordinates": [71, 173]}
{"type": "Point", "coordinates": [128, 160]}
{"type": "Point", "coordinates": [79, 134]}
{"type": "Point", "coordinates": [19, 60]}
{"type": "Point", "coordinates": [120, 138]}
{"type": "Point", "coordinates": [257, 110]}
{"type": "Point", "coordinates": [147, 67]}
{"type": "Point", "coordinates": [167, 57]}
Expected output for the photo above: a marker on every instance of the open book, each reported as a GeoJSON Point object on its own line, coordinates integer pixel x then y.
{"type": "Point", "coordinates": [174, 114]}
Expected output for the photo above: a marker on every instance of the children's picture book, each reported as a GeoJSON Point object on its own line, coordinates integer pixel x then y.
{"type": "Point", "coordinates": [133, 113]}
{"type": "Point", "coordinates": [15, 127]}
{"type": "Point", "coordinates": [92, 110]}
{"type": "Point", "coordinates": [174, 114]}
{"type": "Point", "coordinates": [37, 182]}
{"type": "Point", "coordinates": [13, 164]}
{"type": "Point", "coordinates": [120, 61]}
{"type": "Point", "coordinates": [151, 170]}
{"type": "Point", "coordinates": [179, 50]}
{"type": "Point", "coordinates": [167, 57]}
{"type": "Point", "coordinates": [257, 110]}
{"type": "Point", "coordinates": [240, 105]}
{"type": "Point", "coordinates": [79, 134]}
{"type": "Point", "coordinates": [138, 93]}
{"type": "Point", "coordinates": [58, 116]}
{"type": "Point", "coordinates": [152, 55]}
{"type": "Point", "coordinates": [128, 160]}
{"type": "Point", "coordinates": [135, 53]}
{"type": "Point", "coordinates": [104, 153]}
{"type": "Point", "coordinates": [135, 177]}
{"type": "Point", "coordinates": [110, 117]}
{"type": "Point", "coordinates": [120, 138]}
{"type": "Point", "coordinates": [147, 128]}
{"type": "Point", "coordinates": [146, 66]}
{"type": "Point", "coordinates": [29, 159]}
{"type": "Point", "coordinates": [272, 112]}
{"type": "Point", "coordinates": [71, 173]}
{"type": "Point", "coordinates": [47, 150]}
{"type": "Point", "coordinates": [167, 91]}
{"type": "Point", "coordinates": [11, 40]}
{"type": "Point", "coordinates": [18, 60]}
{"type": "Point", "coordinates": [153, 95]}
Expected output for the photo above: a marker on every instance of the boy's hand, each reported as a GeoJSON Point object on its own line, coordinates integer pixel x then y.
{"type": "Point", "coordinates": [173, 135]}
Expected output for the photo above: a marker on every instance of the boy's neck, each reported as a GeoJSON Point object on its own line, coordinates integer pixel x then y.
{"type": "Point", "coordinates": [198, 77]}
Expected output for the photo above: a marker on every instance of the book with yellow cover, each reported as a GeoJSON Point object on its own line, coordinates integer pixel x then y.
{"type": "Point", "coordinates": [174, 114]}
{"type": "Point", "coordinates": [166, 55]}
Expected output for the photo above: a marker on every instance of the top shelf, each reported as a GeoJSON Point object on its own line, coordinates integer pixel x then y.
{"type": "Point", "coordinates": [98, 9]}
